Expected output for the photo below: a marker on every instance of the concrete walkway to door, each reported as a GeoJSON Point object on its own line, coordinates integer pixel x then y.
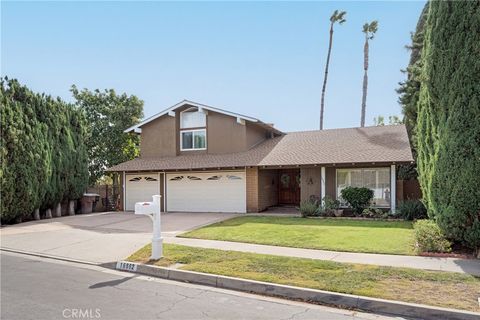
{"type": "Point", "coordinates": [98, 237]}
{"type": "Point", "coordinates": [469, 266]}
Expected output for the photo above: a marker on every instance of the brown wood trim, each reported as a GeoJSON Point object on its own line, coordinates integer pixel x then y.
{"type": "Point", "coordinates": [193, 128]}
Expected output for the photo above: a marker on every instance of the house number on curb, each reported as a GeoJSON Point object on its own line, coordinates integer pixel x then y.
{"type": "Point", "coordinates": [126, 266]}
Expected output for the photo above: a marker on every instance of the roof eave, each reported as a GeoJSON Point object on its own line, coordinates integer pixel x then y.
{"type": "Point", "coordinates": [138, 126]}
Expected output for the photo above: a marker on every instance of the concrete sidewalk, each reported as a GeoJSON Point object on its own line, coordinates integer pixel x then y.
{"type": "Point", "coordinates": [469, 266]}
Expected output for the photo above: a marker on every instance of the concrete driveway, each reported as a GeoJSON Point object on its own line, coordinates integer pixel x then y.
{"type": "Point", "coordinates": [99, 237]}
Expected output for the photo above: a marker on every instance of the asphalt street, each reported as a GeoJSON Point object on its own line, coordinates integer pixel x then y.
{"type": "Point", "coordinates": [40, 288]}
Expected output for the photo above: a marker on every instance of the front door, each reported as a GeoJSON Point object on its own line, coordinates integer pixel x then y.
{"type": "Point", "coordinates": [289, 186]}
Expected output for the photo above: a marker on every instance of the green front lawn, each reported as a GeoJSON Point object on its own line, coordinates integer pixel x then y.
{"type": "Point", "coordinates": [393, 237]}
{"type": "Point", "coordinates": [445, 289]}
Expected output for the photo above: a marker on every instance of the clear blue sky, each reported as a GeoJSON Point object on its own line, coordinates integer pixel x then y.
{"type": "Point", "coordinates": [264, 59]}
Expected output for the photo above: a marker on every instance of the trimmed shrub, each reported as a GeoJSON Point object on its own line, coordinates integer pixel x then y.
{"type": "Point", "coordinates": [375, 213]}
{"type": "Point", "coordinates": [357, 197]}
{"type": "Point", "coordinates": [429, 237]}
{"type": "Point", "coordinates": [309, 208]}
{"type": "Point", "coordinates": [411, 210]}
{"type": "Point", "coordinates": [330, 203]}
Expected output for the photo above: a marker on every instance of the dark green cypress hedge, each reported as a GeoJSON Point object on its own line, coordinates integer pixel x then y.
{"type": "Point", "coordinates": [448, 128]}
{"type": "Point", "coordinates": [44, 158]}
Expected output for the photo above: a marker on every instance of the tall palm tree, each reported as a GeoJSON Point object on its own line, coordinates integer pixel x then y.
{"type": "Point", "coordinates": [369, 29]}
{"type": "Point", "coordinates": [340, 18]}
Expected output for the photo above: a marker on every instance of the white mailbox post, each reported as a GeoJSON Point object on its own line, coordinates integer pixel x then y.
{"type": "Point", "coordinates": [152, 209]}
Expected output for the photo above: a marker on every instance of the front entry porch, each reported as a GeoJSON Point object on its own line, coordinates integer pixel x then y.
{"type": "Point", "coordinates": [272, 187]}
{"type": "Point", "coordinates": [289, 187]}
{"type": "Point", "coordinates": [275, 187]}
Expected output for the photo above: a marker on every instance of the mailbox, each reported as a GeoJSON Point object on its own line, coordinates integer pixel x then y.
{"type": "Point", "coordinates": [146, 208]}
{"type": "Point", "coordinates": [152, 210]}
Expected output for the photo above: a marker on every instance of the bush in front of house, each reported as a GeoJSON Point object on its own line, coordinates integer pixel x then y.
{"type": "Point", "coordinates": [375, 213]}
{"type": "Point", "coordinates": [411, 210]}
{"type": "Point", "coordinates": [429, 237]}
{"type": "Point", "coordinates": [331, 207]}
{"type": "Point", "coordinates": [358, 198]}
{"type": "Point", "coordinates": [310, 208]}
{"type": "Point", "coordinates": [330, 203]}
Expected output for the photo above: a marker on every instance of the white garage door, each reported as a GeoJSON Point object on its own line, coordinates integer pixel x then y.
{"type": "Point", "coordinates": [140, 187]}
{"type": "Point", "coordinates": [206, 192]}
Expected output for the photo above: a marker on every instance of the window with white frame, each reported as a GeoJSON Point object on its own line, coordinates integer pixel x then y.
{"type": "Point", "coordinates": [192, 118]}
{"type": "Point", "coordinates": [377, 179]}
{"type": "Point", "coordinates": [193, 132]}
{"type": "Point", "coordinates": [193, 139]}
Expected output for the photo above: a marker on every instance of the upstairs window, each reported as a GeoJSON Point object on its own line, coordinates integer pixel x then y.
{"type": "Point", "coordinates": [192, 118]}
{"type": "Point", "coordinates": [193, 140]}
{"type": "Point", "coordinates": [193, 132]}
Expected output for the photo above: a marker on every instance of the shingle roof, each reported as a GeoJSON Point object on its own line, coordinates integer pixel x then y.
{"type": "Point", "coordinates": [335, 146]}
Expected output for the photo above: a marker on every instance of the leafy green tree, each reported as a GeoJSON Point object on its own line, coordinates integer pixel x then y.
{"type": "Point", "coordinates": [337, 17]}
{"type": "Point", "coordinates": [392, 120]}
{"type": "Point", "coordinates": [369, 29]}
{"type": "Point", "coordinates": [107, 116]}
{"type": "Point", "coordinates": [448, 129]}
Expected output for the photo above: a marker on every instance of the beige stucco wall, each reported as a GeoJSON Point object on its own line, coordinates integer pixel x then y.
{"type": "Point", "coordinates": [255, 134]}
{"type": "Point", "coordinates": [310, 183]}
{"type": "Point", "coordinates": [158, 138]}
{"type": "Point", "coordinates": [224, 134]}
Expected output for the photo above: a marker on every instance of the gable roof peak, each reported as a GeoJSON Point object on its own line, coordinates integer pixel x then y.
{"type": "Point", "coordinates": [137, 128]}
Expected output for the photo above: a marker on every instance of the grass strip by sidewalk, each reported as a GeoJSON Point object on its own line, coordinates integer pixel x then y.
{"type": "Point", "coordinates": [444, 289]}
{"type": "Point", "coordinates": [372, 236]}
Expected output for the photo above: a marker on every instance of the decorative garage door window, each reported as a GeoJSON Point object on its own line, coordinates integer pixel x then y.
{"type": "Point", "coordinates": [194, 178]}
{"type": "Point", "coordinates": [177, 178]}
{"type": "Point", "coordinates": [135, 179]}
{"type": "Point", "coordinates": [234, 177]}
{"type": "Point", "coordinates": [214, 178]}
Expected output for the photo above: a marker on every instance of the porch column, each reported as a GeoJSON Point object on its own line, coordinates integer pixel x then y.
{"type": "Point", "coordinates": [251, 175]}
{"type": "Point", "coordinates": [393, 188]}
{"type": "Point", "coordinates": [322, 189]}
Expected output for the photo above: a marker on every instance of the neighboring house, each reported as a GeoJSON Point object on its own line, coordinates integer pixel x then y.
{"type": "Point", "coordinates": [200, 158]}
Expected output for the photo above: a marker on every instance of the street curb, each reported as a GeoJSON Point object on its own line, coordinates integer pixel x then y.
{"type": "Point", "coordinates": [346, 301]}
{"type": "Point", "coordinates": [53, 257]}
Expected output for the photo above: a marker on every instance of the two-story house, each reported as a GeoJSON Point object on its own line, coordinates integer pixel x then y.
{"type": "Point", "coordinates": [204, 159]}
